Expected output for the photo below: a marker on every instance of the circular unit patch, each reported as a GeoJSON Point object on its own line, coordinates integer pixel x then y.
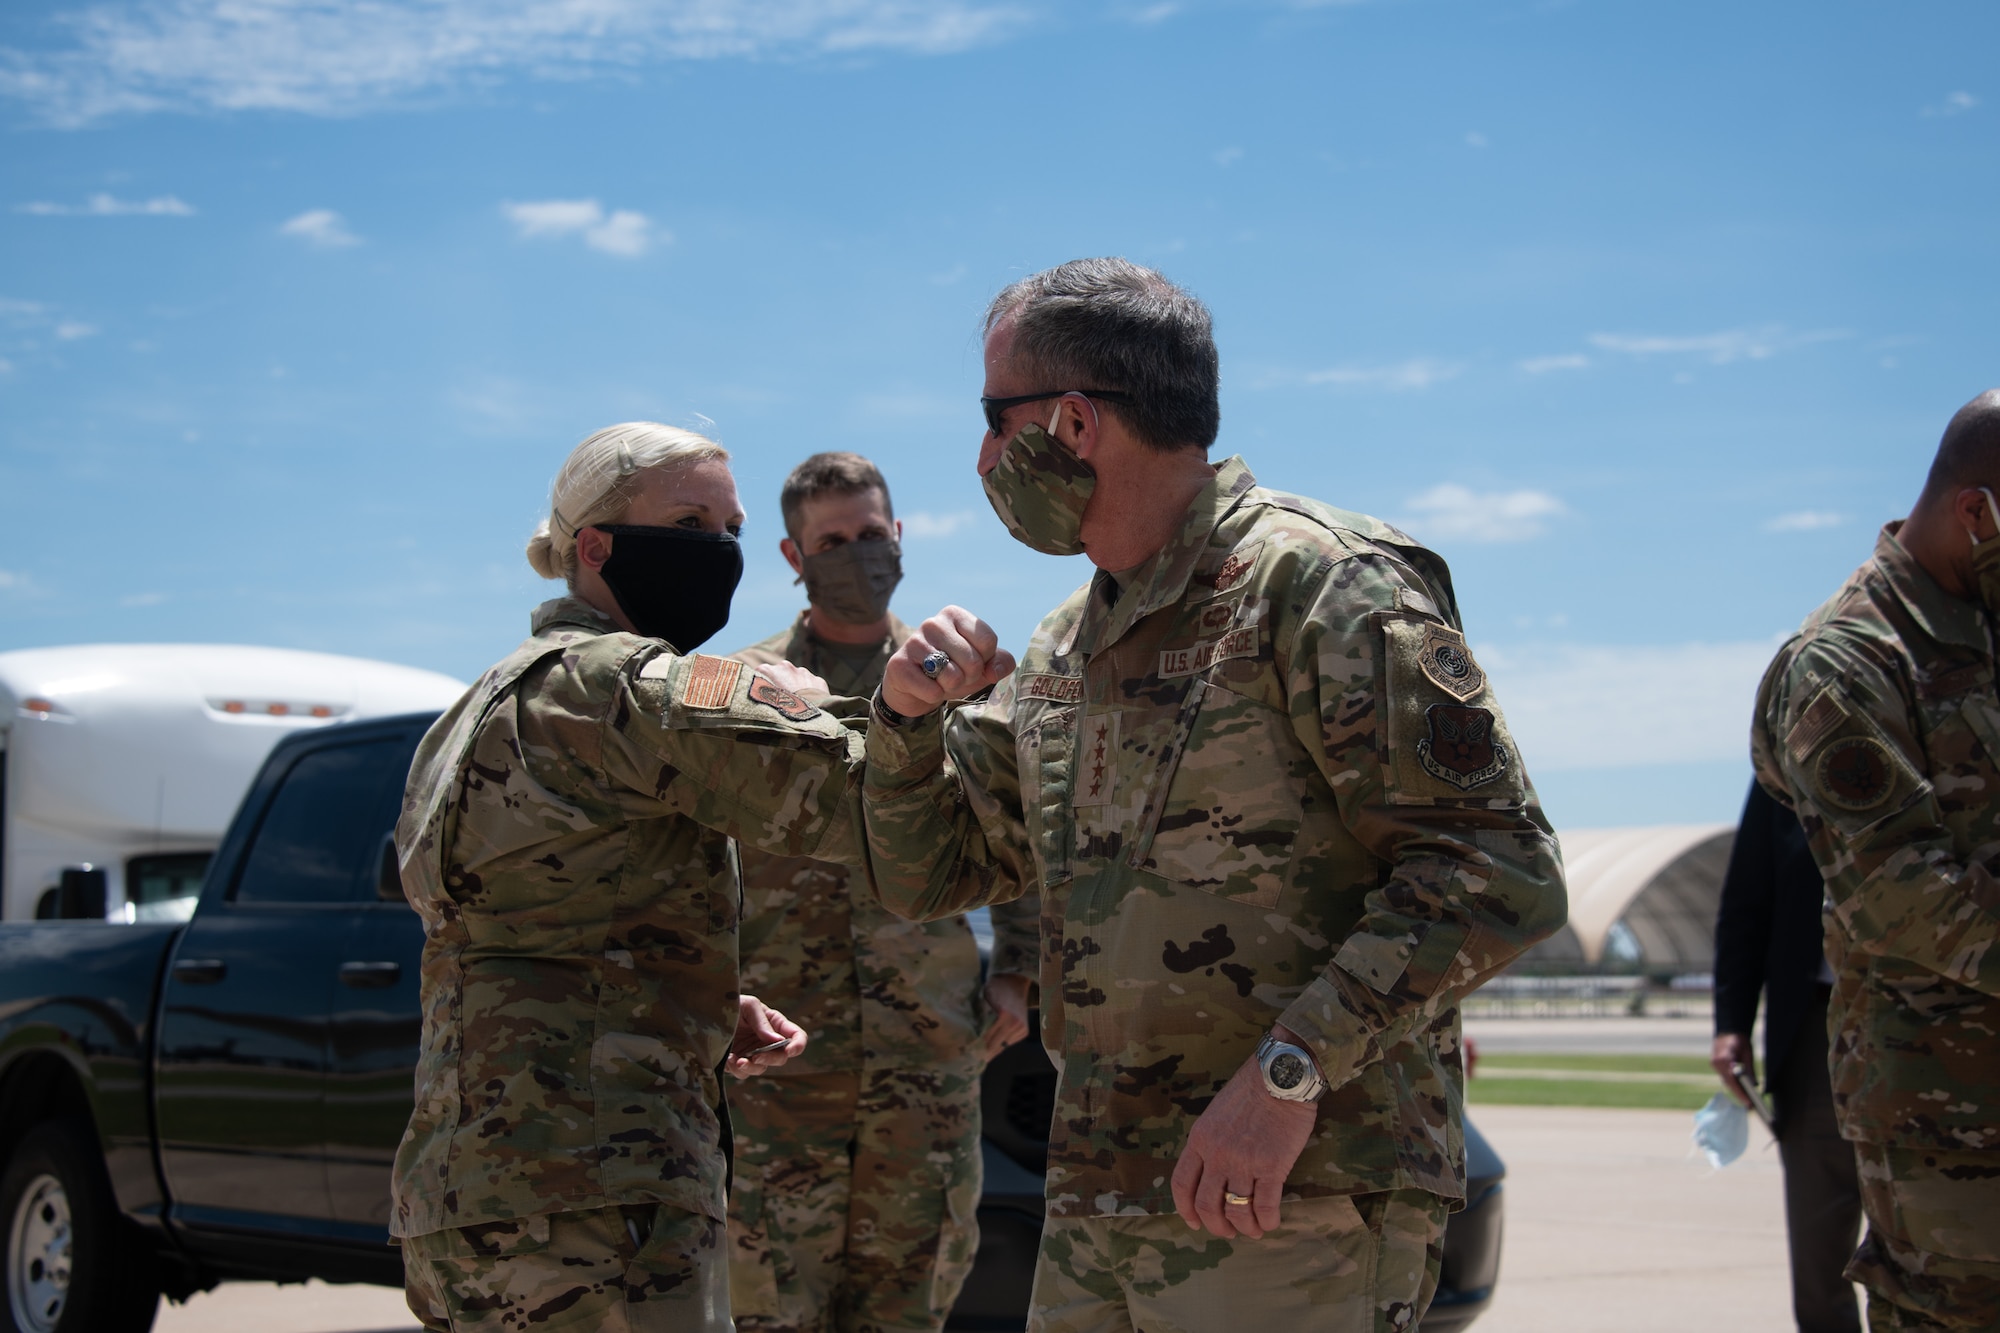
{"type": "Point", "coordinates": [1856, 773]}
{"type": "Point", "coordinates": [1451, 660]}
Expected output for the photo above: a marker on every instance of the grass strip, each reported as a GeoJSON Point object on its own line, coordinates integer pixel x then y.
{"type": "Point", "coordinates": [1500, 1091]}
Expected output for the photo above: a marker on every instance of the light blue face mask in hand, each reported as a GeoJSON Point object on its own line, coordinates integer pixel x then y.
{"type": "Point", "coordinates": [1722, 1130]}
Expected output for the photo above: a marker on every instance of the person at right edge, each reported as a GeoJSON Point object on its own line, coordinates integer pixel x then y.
{"type": "Point", "coordinates": [1878, 723]}
{"type": "Point", "coordinates": [1770, 943]}
{"type": "Point", "coordinates": [1278, 823]}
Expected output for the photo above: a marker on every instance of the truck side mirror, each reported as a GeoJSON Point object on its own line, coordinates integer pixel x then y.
{"type": "Point", "coordinates": [84, 891]}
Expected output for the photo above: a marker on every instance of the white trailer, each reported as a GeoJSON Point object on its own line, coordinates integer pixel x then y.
{"type": "Point", "coordinates": [121, 764]}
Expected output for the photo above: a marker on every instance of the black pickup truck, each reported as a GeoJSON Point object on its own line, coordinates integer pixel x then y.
{"type": "Point", "coordinates": [182, 1105]}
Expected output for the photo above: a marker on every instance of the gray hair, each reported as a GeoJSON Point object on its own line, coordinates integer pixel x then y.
{"type": "Point", "coordinates": [1110, 324]}
{"type": "Point", "coordinates": [595, 485]}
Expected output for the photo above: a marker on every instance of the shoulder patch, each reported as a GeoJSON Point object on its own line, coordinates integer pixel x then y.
{"type": "Point", "coordinates": [1448, 663]}
{"type": "Point", "coordinates": [711, 681]}
{"type": "Point", "coordinates": [772, 695]}
{"type": "Point", "coordinates": [1059, 689]}
{"type": "Point", "coordinates": [1855, 773]}
{"type": "Point", "coordinates": [1460, 747]}
{"type": "Point", "coordinates": [1822, 715]}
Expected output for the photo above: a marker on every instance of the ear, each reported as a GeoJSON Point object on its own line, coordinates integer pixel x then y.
{"type": "Point", "coordinates": [793, 557]}
{"type": "Point", "coordinates": [593, 548]}
{"type": "Point", "coordinates": [1079, 427]}
{"type": "Point", "coordinates": [1969, 507]}
{"type": "Point", "coordinates": [899, 532]}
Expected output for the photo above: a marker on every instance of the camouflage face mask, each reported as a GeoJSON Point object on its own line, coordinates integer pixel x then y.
{"type": "Point", "coordinates": [1040, 489]}
{"type": "Point", "coordinates": [1986, 562]}
{"type": "Point", "coordinates": [852, 582]}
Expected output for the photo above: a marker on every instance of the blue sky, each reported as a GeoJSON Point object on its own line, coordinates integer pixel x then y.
{"type": "Point", "coordinates": [1644, 314]}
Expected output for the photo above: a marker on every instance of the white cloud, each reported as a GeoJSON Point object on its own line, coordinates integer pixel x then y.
{"type": "Point", "coordinates": [1806, 520]}
{"type": "Point", "coordinates": [1955, 104]}
{"type": "Point", "coordinates": [1417, 373]}
{"type": "Point", "coordinates": [1474, 139]}
{"type": "Point", "coordinates": [1719, 348]}
{"type": "Point", "coordinates": [19, 311]}
{"type": "Point", "coordinates": [109, 206]}
{"type": "Point", "coordinates": [1227, 157]}
{"type": "Point", "coordinates": [625, 233]}
{"type": "Point", "coordinates": [921, 525]}
{"type": "Point", "coordinates": [321, 227]}
{"type": "Point", "coordinates": [9, 580]}
{"type": "Point", "coordinates": [1574, 706]}
{"type": "Point", "coordinates": [70, 330]}
{"type": "Point", "coordinates": [6, 367]}
{"type": "Point", "coordinates": [1451, 512]}
{"type": "Point", "coordinates": [1542, 365]}
{"type": "Point", "coordinates": [138, 599]}
{"type": "Point", "coordinates": [334, 57]}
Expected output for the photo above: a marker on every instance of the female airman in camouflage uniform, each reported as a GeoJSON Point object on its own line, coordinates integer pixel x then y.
{"type": "Point", "coordinates": [566, 836]}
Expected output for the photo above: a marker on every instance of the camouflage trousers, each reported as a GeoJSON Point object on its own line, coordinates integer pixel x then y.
{"type": "Point", "coordinates": [854, 1200]}
{"type": "Point", "coordinates": [1366, 1263]}
{"type": "Point", "coordinates": [1931, 1259]}
{"type": "Point", "coordinates": [640, 1268]}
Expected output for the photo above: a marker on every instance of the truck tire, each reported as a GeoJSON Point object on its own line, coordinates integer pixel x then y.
{"type": "Point", "coordinates": [71, 1262]}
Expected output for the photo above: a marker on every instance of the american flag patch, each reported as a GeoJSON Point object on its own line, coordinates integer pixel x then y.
{"type": "Point", "coordinates": [711, 681]}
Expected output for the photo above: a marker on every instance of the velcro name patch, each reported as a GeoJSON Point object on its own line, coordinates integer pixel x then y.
{"type": "Point", "coordinates": [1060, 689]}
{"type": "Point", "coordinates": [773, 695]}
{"type": "Point", "coordinates": [1205, 654]}
{"type": "Point", "coordinates": [711, 681]}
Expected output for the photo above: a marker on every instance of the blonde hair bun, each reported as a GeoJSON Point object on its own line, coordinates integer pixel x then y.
{"type": "Point", "coordinates": [594, 485]}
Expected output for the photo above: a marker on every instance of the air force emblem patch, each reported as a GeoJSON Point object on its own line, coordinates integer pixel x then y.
{"type": "Point", "coordinates": [1448, 663]}
{"type": "Point", "coordinates": [1460, 748]}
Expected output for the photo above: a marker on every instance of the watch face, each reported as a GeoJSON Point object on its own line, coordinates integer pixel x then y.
{"type": "Point", "coordinates": [1286, 1071]}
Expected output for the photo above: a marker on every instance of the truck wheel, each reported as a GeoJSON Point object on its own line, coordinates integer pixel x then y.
{"type": "Point", "coordinates": [72, 1263]}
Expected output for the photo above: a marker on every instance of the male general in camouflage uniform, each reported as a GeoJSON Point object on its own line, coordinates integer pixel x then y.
{"type": "Point", "coordinates": [1266, 792]}
{"type": "Point", "coordinates": [1879, 723]}
{"type": "Point", "coordinates": [857, 1164]}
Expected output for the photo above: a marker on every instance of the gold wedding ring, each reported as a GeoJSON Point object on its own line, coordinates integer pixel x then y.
{"type": "Point", "coordinates": [1236, 1200]}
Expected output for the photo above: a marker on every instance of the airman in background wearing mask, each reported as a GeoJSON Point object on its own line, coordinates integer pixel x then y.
{"type": "Point", "coordinates": [858, 1173]}
{"type": "Point", "coordinates": [1879, 725]}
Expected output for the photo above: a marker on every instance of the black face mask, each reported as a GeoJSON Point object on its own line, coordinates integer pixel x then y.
{"type": "Point", "coordinates": [672, 583]}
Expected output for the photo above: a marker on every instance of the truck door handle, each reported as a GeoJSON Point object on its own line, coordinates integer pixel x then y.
{"type": "Point", "coordinates": [370, 976]}
{"type": "Point", "coordinates": [200, 971]}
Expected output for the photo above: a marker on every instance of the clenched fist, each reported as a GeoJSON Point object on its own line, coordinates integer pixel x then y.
{"type": "Point", "coordinates": [972, 659]}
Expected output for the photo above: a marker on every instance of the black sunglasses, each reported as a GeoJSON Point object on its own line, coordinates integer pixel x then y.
{"type": "Point", "coordinates": [996, 407]}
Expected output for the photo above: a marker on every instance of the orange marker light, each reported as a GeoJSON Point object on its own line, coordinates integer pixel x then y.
{"type": "Point", "coordinates": [38, 705]}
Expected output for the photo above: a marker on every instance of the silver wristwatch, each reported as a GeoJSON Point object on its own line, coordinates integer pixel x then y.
{"type": "Point", "coordinates": [1289, 1072]}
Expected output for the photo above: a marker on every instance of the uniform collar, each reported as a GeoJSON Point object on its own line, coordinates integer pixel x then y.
{"type": "Point", "coordinates": [1945, 618]}
{"type": "Point", "coordinates": [570, 610]}
{"type": "Point", "coordinates": [803, 643]}
{"type": "Point", "coordinates": [1163, 580]}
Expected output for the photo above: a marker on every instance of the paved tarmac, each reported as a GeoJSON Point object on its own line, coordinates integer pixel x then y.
{"type": "Point", "coordinates": [1593, 1036]}
{"type": "Point", "coordinates": [1612, 1223]}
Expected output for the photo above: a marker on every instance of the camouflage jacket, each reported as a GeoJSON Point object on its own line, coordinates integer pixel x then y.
{"type": "Point", "coordinates": [1879, 724]}
{"type": "Point", "coordinates": [1264, 782]}
{"type": "Point", "coordinates": [566, 838]}
{"type": "Point", "coordinates": [875, 991]}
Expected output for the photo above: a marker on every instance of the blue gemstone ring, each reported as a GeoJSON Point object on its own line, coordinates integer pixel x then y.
{"type": "Point", "coordinates": [934, 662]}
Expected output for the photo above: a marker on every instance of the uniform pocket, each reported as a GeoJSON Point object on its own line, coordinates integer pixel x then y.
{"type": "Point", "coordinates": [1047, 754]}
{"type": "Point", "coordinates": [1232, 811]}
{"type": "Point", "coordinates": [1947, 1203]}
